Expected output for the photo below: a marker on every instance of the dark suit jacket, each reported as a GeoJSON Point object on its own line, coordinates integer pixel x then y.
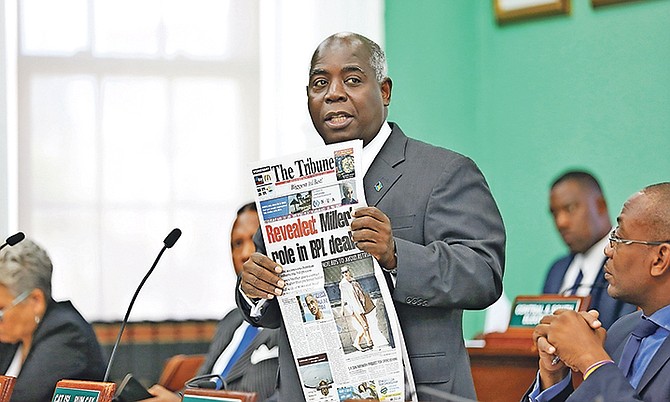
{"type": "Point", "coordinates": [259, 376]}
{"type": "Point", "coordinates": [610, 309]}
{"type": "Point", "coordinates": [608, 383]}
{"type": "Point", "coordinates": [64, 346]}
{"type": "Point", "coordinates": [450, 244]}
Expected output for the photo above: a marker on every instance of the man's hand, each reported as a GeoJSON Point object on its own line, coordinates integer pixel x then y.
{"type": "Point", "coordinates": [162, 394]}
{"type": "Point", "coordinates": [260, 277]}
{"type": "Point", "coordinates": [371, 230]}
{"type": "Point", "coordinates": [576, 337]}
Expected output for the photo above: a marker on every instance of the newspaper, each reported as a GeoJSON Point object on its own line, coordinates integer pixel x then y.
{"type": "Point", "coordinates": [336, 304]}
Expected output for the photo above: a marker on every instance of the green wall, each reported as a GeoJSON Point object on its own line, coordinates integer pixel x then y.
{"type": "Point", "coordinates": [530, 99]}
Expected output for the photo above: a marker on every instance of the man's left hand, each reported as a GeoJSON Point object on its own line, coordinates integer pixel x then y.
{"type": "Point", "coordinates": [371, 230]}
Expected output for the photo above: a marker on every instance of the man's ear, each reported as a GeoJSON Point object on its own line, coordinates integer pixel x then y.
{"type": "Point", "coordinates": [386, 87]}
{"type": "Point", "coordinates": [661, 264]}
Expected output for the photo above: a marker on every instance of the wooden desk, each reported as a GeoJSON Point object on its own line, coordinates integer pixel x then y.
{"type": "Point", "coordinates": [502, 374]}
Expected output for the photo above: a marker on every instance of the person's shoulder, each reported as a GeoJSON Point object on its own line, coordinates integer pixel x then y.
{"type": "Point", "coordinates": [63, 329]}
{"type": "Point", "coordinates": [562, 261]}
{"type": "Point", "coordinates": [425, 152]}
{"type": "Point", "coordinates": [233, 316]}
{"type": "Point", "coordinates": [63, 313]}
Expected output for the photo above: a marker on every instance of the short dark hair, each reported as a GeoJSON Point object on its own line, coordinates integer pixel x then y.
{"type": "Point", "coordinates": [584, 178]}
{"type": "Point", "coordinates": [658, 213]}
{"type": "Point", "coordinates": [377, 56]}
{"type": "Point", "coordinates": [250, 206]}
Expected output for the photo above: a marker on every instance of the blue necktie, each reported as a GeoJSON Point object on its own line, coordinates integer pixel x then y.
{"type": "Point", "coordinates": [643, 329]}
{"type": "Point", "coordinates": [248, 337]}
{"type": "Point", "coordinates": [578, 282]}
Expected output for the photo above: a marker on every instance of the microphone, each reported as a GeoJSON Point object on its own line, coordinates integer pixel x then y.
{"type": "Point", "coordinates": [207, 381]}
{"type": "Point", "coordinates": [13, 240]}
{"type": "Point", "coordinates": [169, 241]}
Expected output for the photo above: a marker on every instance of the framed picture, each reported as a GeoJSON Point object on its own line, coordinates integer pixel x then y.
{"type": "Point", "coordinates": [514, 10]}
{"type": "Point", "coordinates": [598, 3]}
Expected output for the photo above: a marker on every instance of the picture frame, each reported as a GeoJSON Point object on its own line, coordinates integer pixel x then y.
{"type": "Point", "coordinates": [515, 10]}
{"type": "Point", "coordinates": [599, 3]}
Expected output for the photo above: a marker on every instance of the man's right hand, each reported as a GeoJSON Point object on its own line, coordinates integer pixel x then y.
{"type": "Point", "coordinates": [162, 394]}
{"type": "Point", "coordinates": [260, 278]}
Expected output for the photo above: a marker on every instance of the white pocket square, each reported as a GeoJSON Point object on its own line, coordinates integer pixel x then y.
{"type": "Point", "coordinates": [263, 353]}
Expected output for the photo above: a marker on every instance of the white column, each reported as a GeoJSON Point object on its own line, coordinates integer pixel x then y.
{"type": "Point", "coordinates": [8, 119]}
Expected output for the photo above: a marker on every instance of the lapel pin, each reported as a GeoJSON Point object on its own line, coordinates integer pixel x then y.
{"type": "Point", "coordinates": [379, 186]}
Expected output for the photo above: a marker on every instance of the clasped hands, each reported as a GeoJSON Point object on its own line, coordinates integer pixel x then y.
{"type": "Point", "coordinates": [371, 231]}
{"type": "Point", "coordinates": [576, 338]}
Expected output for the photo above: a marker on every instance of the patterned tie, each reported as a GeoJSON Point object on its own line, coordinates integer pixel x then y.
{"type": "Point", "coordinates": [578, 282]}
{"type": "Point", "coordinates": [643, 329]}
{"type": "Point", "coordinates": [248, 337]}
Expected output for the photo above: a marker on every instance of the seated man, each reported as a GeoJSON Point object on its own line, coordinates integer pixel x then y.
{"type": "Point", "coordinates": [246, 358]}
{"type": "Point", "coordinates": [628, 362]}
{"type": "Point", "coordinates": [582, 219]}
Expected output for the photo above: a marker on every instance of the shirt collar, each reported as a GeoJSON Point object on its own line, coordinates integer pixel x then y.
{"type": "Point", "coordinates": [371, 150]}
{"type": "Point", "coordinates": [661, 317]}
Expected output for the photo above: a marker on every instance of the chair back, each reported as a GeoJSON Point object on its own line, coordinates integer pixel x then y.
{"type": "Point", "coordinates": [178, 369]}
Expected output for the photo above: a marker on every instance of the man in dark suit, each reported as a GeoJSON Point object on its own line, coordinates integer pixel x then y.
{"type": "Point", "coordinates": [630, 361]}
{"type": "Point", "coordinates": [580, 213]}
{"type": "Point", "coordinates": [254, 367]}
{"type": "Point", "coordinates": [431, 223]}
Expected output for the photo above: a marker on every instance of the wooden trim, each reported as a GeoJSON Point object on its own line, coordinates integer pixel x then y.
{"type": "Point", "coordinates": [224, 395]}
{"type": "Point", "coordinates": [151, 332]}
{"type": "Point", "coordinates": [106, 389]}
{"type": "Point", "coordinates": [540, 8]}
{"type": "Point", "coordinates": [6, 387]}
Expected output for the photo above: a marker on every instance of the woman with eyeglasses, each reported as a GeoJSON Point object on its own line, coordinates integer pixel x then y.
{"type": "Point", "coordinates": [41, 340]}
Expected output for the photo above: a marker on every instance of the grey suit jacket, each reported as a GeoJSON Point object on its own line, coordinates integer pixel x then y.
{"type": "Point", "coordinates": [259, 376]}
{"type": "Point", "coordinates": [450, 244]}
{"type": "Point", "coordinates": [608, 383]}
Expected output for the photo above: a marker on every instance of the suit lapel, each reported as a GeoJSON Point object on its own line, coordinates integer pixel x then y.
{"type": "Point", "coordinates": [383, 174]}
{"type": "Point", "coordinates": [222, 338]}
{"type": "Point", "coordinates": [556, 280]}
{"type": "Point", "coordinates": [657, 362]}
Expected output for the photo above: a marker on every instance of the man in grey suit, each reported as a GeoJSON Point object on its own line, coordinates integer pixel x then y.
{"type": "Point", "coordinates": [255, 368]}
{"type": "Point", "coordinates": [431, 222]}
{"type": "Point", "coordinates": [629, 362]}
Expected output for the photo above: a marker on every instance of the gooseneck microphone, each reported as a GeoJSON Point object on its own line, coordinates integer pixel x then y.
{"type": "Point", "coordinates": [169, 241]}
{"type": "Point", "coordinates": [207, 381]}
{"type": "Point", "coordinates": [13, 240]}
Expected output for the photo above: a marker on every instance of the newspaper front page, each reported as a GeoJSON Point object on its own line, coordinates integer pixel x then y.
{"type": "Point", "coordinates": [336, 304]}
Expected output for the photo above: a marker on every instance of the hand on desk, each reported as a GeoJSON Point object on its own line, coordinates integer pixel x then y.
{"type": "Point", "coordinates": [162, 394]}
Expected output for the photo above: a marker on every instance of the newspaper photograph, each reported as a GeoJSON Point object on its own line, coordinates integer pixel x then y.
{"type": "Point", "coordinates": [336, 304]}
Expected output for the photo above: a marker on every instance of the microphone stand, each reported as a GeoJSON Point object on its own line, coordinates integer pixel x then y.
{"type": "Point", "coordinates": [169, 241]}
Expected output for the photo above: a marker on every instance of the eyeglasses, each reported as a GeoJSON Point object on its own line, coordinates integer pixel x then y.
{"type": "Point", "coordinates": [23, 296]}
{"type": "Point", "coordinates": [613, 239]}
